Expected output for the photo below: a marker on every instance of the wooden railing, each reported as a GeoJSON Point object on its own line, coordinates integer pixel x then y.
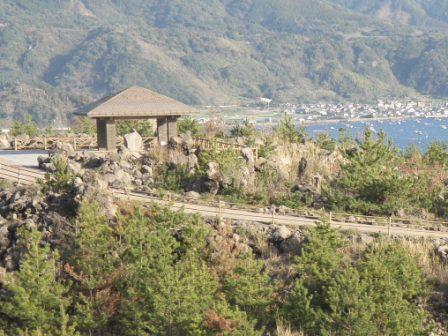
{"type": "Point", "coordinates": [18, 174]}
{"type": "Point", "coordinates": [28, 176]}
{"type": "Point", "coordinates": [411, 223]}
{"type": "Point", "coordinates": [47, 142]}
{"type": "Point", "coordinates": [77, 141]}
{"type": "Point", "coordinates": [223, 210]}
{"type": "Point", "coordinates": [89, 142]}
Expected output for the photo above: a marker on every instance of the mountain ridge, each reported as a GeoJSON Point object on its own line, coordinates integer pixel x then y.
{"type": "Point", "coordinates": [56, 56]}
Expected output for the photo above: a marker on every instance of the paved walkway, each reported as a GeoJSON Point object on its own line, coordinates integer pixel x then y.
{"type": "Point", "coordinates": [26, 158]}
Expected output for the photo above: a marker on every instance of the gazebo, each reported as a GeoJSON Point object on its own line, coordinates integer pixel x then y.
{"type": "Point", "coordinates": [137, 103]}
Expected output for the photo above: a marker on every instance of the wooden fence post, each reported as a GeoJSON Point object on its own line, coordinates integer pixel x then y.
{"type": "Point", "coordinates": [15, 143]}
{"type": "Point", "coordinates": [389, 223]}
{"type": "Point", "coordinates": [45, 142]}
{"type": "Point", "coordinates": [219, 212]}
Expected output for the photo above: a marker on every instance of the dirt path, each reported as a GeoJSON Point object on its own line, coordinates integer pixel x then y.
{"type": "Point", "coordinates": [26, 176]}
{"type": "Point", "coordinates": [291, 221]}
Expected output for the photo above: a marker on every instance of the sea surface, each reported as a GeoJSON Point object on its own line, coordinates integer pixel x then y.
{"type": "Point", "coordinates": [404, 133]}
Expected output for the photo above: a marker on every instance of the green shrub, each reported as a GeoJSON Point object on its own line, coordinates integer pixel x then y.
{"type": "Point", "coordinates": [25, 127]}
{"type": "Point", "coordinates": [250, 288]}
{"type": "Point", "coordinates": [188, 124]}
{"type": "Point", "coordinates": [169, 289]}
{"type": "Point", "coordinates": [437, 153]}
{"type": "Point", "coordinates": [61, 179]}
{"type": "Point", "coordinates": [5, 184]}
{"type": "Point", "coordinates": [324, 141]}
{"type": "Point", "coordinates": [287, 131]}
{"type": "Point", "coordinates": [228, 159]}
{"type": "Point", "coordinates": [376, 295]}
{"type": "Point", "coordinates": [94, 264]}
{"type": "Point", "coordinates": [174, 178]}
{"type": "Point", "coordinates": [246, 130]}
{"type": "Point", "coordinates": [266, 150]}
{"type": "Point", "coordinates": [83, 125]}
{"type": "Point", "coordinates": [35, 300]}
{"type": "Point", "coordinates": [370, 180]}
{"type": "Point", "coordinates": [293, 200]}
{"type": "Point", "coordinates": [143, 127]}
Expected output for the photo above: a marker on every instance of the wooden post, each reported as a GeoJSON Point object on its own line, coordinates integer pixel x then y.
{"type": "Point", "coordinates": [331, 217]}
{"type": "Point", "coordinates": [162, 131]}
{"type": "Point", "coordinates": [45, 142]}
{"type": "Point", "coordinates": [74, 142]}
{"type": "Point", "coordinates": [15, 143]}
{"type": "Point", "coordinates": [219, 212]}
{"type": "Point", "coordinates": [389, 223]}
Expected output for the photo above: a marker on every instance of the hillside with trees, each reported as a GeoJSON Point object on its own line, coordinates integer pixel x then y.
{"type": "Point", "coordinates": [151, 271]}
{"type": "Point", "coordinates": [56, 56]}
{"type": "Point", "coordinates": [75, 259]}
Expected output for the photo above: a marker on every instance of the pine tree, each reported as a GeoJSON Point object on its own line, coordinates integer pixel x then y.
{"type": "Point", "coordinates": [95, 267]}
{"type": "Point", "coordinates": [397, 288]}
{"type": "Point", "coordinates": [35, 301]}
{"type": "Point", "coordinates": [376, 295]}
{"type": "Point", "coordinates": [370, 181]}
{"type": "Point", "coordinates": [249, 287]}
{"type": "Point", "coordinates": [320, 261]}
{"type": "Point", "coordinates": [169, 289]}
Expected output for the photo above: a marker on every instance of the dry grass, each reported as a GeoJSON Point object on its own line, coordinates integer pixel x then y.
{"type": "Point", "coordinates": [159, 154]}
{"type": "Point", "coordinates": [288, 156]}
{"type": "Point", "coordinates": [424, 252]}
{"type": "Point", "coordinates": [283, 330]}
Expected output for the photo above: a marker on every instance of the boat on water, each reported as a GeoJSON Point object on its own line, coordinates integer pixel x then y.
{"type": "Point", "coordinates": [444, 126]}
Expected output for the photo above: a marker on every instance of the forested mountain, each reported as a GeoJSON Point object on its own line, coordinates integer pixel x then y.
{"type": "Point", "coordinates": [56, 55]}
{"type": "Point", "coordinates": [407, 12]}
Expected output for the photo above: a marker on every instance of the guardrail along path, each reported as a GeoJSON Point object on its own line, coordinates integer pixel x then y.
{"type": "Point", "coordinates": [28, 176]}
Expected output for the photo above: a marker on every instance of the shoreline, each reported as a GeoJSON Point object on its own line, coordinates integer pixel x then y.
{"type": "Point", "coordinates": [335, 121]}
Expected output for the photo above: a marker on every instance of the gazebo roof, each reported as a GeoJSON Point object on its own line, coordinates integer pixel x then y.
{"type": "Point", "coordinates": [138, 102]}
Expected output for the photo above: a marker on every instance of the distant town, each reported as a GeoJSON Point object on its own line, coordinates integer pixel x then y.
{"type": "Point", "coordinates": [330, 112]}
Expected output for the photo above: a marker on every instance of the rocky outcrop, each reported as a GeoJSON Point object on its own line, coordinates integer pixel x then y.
{"type": "Point", "coordinates": [27, 209]}
{"type": "Point", "coordinates": [133, 141]}
{"type": "Point", "coordinates": [287, 241]}
{"type": "Point", "coordinates": [5, 143]}
{"type": "Point", "coordinates": [182, 153]}
{"type": "Point", "coordinates": [294, 166]}
{"type": "Point", "coordinates": [441, 250]}
{"type": "Point", "coordinates": [215, 178]}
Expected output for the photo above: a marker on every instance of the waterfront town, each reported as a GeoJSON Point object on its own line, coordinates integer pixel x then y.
{"type": "Point", "coordinates": [331, 112]}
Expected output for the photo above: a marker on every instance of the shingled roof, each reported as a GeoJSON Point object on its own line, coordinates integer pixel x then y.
{"type": "Point", "coordinates": [138, 102]}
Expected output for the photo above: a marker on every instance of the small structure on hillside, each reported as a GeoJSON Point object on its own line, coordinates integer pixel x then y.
{"type": "Point", "coordinates": [137, 103]}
